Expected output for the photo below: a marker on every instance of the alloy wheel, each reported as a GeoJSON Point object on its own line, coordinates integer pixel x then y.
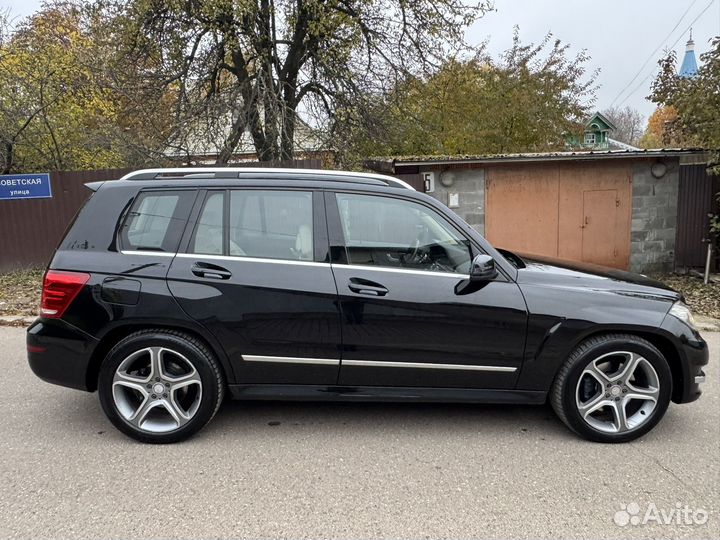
{"type": "Point", "coordinates": [156, 389]}
{"type": "Point", "coordinates": [617, 392]}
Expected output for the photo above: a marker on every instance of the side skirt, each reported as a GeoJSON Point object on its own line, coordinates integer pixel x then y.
{"type": "Point", "coordinates": [384, 393]}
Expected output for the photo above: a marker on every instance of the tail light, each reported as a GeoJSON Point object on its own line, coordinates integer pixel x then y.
{"type": "Point", "coordinates": [59, 290]}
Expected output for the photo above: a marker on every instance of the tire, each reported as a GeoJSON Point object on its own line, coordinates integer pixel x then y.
{"type": "Point", "coordinates": [145, 362]}
{"type": "Point", "coordinates": [599, 395]}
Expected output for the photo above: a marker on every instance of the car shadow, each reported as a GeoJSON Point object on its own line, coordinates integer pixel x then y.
{"type": "Point", "coordinates": [373, 418]}
{"type": "Point", "coordinates": [80, 415]}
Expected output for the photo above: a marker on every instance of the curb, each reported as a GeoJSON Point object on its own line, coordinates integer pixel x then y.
{"type": "Point", "coordinates": [16, 320]}
{"type": "Point", "coordinates": [707, 324]}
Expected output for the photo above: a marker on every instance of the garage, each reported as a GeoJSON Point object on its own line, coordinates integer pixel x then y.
{"type": "Point", "coordinates": [616, 208]}
{"type": "Point", "coordinates": [571, 211]}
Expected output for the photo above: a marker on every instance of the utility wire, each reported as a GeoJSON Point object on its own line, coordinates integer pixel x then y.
{"type": "Point", "coordinates": [639, 86]}
{"type": "Point", "coordinates": [652, 54]}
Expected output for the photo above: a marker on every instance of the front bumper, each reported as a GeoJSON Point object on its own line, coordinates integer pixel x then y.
{"type": "Point", "coordinates": [59, 353]}
{"type": "Point", "coordinates": [694, 355]}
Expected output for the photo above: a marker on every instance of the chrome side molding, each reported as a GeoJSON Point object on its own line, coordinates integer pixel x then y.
{"type": "Point", "coordinates": [375, 363]}
{"type": "Point", "coordinates": [426, 365]}
{"type": "Point", "coordinates": [292, 360]}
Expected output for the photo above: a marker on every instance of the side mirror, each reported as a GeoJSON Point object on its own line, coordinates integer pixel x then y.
{"type": "Point", "coordinates": [483, 268]}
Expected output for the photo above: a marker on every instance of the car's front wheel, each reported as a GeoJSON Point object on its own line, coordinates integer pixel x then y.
{"type": "Point", "coordinates": [612, 388]}
{"type": "Point", "coordinates": [160, 386]}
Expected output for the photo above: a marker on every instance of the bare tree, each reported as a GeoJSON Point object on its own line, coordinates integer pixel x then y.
{"type": "Point", "coordinates": [263, 61]}
{"type": "Point", "coordinates": [629, 123]}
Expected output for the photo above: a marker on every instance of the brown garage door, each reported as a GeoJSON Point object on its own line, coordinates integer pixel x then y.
{"type": "Point", "coordinates": [575, 211]}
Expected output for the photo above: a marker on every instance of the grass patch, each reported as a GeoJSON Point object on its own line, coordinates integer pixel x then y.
{"type": "Point", "coordinates": [20, 292]}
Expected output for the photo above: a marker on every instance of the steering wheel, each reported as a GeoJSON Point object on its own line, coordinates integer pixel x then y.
{"type": "Point", "coordinates": [416, 255]}
{"type": "Point", "coordinates": [415, 251]}
{"type": "Point", "coordinates": [420, 256]}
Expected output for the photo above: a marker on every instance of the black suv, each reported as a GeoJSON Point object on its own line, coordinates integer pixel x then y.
{"type": "Point", "coordinates": [174, 286]}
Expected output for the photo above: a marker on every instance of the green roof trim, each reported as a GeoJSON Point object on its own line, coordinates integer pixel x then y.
{"type": "Point", "coordinates": [600, 120]}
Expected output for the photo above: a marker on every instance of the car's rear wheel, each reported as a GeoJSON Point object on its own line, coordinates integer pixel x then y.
{"type": "Point", "coordinates": [612, 388]}
{"type": "Point", "coordinates": [160, 386]}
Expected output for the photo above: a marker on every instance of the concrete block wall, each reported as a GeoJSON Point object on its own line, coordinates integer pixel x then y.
{"type": "Point", "coordinates": [469, 185]}
{"type": "Point", "coordinates": [654, 219]}
{"type": "Point", "coordinates": [654, 210]}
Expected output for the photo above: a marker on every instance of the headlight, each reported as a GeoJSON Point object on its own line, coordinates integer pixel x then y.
{"type": "Point", "coordinates": [682, 312]}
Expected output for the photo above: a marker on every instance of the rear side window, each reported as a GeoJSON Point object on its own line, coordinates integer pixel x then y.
{"type": "Point", "coordinates": [156, 221]}
{"type": "Point", "coordinates": [263, 224]}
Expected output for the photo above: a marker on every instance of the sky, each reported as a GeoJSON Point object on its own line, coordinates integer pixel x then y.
{"type": "Point", "coordinates": [621, 37]}
{"type": "Point", "coordinates": [624, 38]}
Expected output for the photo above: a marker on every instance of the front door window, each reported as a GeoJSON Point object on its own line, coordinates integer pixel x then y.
{"type": "Point", "coordinates": [395, 233]}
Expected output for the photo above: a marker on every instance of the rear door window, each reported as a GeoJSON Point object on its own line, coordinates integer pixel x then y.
{"type": "Point", "coordinates": [267, 224]}
{"type": "Point", "coordinates": [156, 221]}
{"type": "Point", "coordinates": [271, 224]}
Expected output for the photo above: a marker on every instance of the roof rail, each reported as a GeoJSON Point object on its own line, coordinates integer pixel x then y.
{"type": "Point", "coordinates": [255, 172]}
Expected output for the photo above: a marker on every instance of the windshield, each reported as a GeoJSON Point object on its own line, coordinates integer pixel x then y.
{"type": "Point", "coordinates": [512, 258]}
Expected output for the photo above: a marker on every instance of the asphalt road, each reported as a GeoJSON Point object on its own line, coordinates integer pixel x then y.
{"type": "Point", "coordinates": [304, 470]}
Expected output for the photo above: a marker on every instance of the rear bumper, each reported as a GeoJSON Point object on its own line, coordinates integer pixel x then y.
{"type": "Point", "coordinates": [59, 353]}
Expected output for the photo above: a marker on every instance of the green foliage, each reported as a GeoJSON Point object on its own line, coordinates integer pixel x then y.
{"type": "Point", "coordinates": [52, 114]}
{"type": "Point", "coordinates": [70, 100]}
{"type": "Point", "coordinates": [527, 101]}
{"type": "Point", "coordinates": [715, 220]}
{"type": "Point", "coordinates": [696, 102]}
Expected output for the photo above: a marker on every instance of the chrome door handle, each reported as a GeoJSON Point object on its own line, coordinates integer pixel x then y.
{"type": "Point", "coordinates": [368, 288]}
{"type": "Point", "coordinates": [210, 271]}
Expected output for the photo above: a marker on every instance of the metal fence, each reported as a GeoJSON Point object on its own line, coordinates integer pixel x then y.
{"type": "Point", "coordinates": [696, 200]}
{"type": "Point", "coordinates": [31, 229]}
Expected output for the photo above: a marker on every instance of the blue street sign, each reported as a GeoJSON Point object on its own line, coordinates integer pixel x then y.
{"type": "Point", "coordinates": [25, 186]}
